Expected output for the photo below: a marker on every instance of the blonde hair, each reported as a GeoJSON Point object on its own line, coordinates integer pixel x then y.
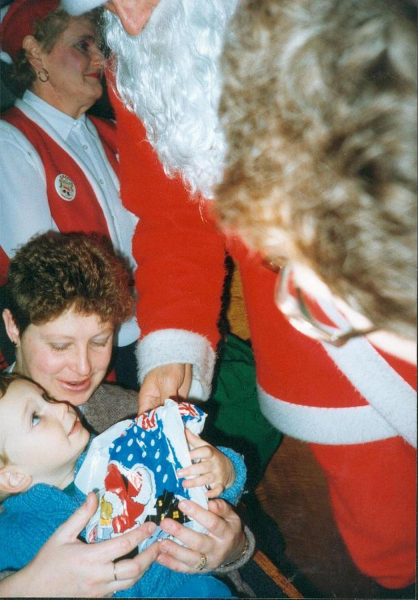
{"type": "Point", "coordinates": [318, 108]}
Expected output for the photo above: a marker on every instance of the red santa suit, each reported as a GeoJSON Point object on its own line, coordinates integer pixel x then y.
{"type": "Point", "coordinates": [356, 407]}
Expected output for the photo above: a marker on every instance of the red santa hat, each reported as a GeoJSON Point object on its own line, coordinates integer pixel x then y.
{"type": "Point", "coordinates": [78, 7]}
{"type": "Point", "coordinates": [20, 21]}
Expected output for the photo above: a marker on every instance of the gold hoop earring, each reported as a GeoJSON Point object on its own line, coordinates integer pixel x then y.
{"type": "Point", "coordinates": [43, 75]}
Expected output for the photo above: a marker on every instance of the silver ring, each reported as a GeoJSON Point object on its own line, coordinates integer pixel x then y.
{"type": "Point", "coordinates": [202, 563]}
{"type": "Point", "coordinates": [115, 577]}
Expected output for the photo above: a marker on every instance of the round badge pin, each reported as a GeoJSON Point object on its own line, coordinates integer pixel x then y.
{"type": "Point", "coordinates": [65, 187]}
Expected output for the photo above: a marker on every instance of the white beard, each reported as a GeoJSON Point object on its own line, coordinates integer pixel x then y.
{"type": "Point", "coordinates": [169, 76]}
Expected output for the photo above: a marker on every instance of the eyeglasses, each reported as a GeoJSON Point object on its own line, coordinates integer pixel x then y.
{"type": "Point", "coordinates": [331, 323]}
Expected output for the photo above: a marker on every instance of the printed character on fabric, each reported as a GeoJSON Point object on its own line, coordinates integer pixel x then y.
{"type": "Point", "coordinates": [133, 468]}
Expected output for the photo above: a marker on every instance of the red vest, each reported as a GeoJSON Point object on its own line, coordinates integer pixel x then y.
{"type": "Point", "coordinates": [83, 213]}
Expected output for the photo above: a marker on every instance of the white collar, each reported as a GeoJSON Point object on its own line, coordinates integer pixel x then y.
{"type": "Point", "coordinates": [63, 124]}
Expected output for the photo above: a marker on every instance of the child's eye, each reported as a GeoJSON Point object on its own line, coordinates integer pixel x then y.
{"type": "Point", "coordinates": [35, 419]}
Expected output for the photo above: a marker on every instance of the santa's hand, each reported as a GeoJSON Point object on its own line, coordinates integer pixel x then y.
{"type": "Point", "coordinates": [67, 567]}
{"type": "Point", "coordinates": [224, 541]}
{"type": "Point", "coordinates": [167, 381]}
{"type": "Point", "coordinates": [211, 469]}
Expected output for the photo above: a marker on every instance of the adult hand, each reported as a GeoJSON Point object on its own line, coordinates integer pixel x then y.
{"type": "Point", "coordinates": [223, 543]}
{"type": "Point", "coordinates": [67, 567]}
{"type": "Point", "coordinates": [168, 381]}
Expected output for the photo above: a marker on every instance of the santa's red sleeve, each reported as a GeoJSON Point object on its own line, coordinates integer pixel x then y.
{"type": "Point", "coordinates": [180, 257]}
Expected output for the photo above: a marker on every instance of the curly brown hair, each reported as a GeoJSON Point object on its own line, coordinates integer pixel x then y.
{"type": "Point", "coordinates": [319, 111]}
{"type": "Point", "coordinates": [47, 31]}
{"type": "Point", "coordinates": [54, 272]}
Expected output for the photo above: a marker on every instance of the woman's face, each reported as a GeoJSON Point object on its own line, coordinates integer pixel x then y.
{"type": "Point", "coordinates": [68, 356]}
{"type": "Point", "coordinates": [75, 67]}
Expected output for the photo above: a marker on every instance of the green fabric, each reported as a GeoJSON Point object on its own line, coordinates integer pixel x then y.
{"type": "Point", "coordinates": [234, 415]}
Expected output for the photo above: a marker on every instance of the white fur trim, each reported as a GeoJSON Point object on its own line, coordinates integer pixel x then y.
{"type": "Point", "coordinates": [334, 426]}
{"type": "Point", "coordinates": [168, 346]}
{"type": "Point", "coordinates": [78, 7]}
{"type": "Point", "coordinates": [383, 388]}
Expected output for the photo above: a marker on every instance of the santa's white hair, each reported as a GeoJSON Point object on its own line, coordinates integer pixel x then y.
{"type": "Point", "coordinates": [169, 76]}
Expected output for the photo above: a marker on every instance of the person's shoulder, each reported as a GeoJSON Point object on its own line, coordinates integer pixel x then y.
{"type": "Point", "coordinates": [9, 131]}
{"type": "Point", "coordinates": [112, 391]}
{"type": "Point", "coordinates": [11, 135]}
{"type": "Point", "coordinates": [110, 404]}
{"type": "Point", "coordinates": [40, 495]}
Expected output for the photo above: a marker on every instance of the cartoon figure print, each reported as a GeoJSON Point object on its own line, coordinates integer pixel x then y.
{"type": "Point", "coordinates": [126, 495]}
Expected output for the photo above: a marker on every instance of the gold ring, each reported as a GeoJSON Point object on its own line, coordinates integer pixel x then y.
{"type": "Point", "coordinates": [115, 577]}
{"type": "Point", "coordinates": [203, 562]}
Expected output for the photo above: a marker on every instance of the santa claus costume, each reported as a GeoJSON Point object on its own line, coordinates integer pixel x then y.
{"type": "Point", "coordinates": [354, 405]}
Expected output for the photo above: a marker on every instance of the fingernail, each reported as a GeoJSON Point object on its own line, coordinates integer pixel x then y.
{"type": "Point", "coordinates": [184, 505]}
{"type": "Point", "coordinates": [180, 472]}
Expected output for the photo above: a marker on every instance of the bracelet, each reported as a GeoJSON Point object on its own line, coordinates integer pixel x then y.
{"type": "Point", "coordinates": [247, 552]}
{"type": "Point", "coordinates": [244, 551]}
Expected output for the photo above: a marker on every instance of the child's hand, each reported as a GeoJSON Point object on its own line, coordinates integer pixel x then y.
{"type": "Point", "coordinates": [213, 470]}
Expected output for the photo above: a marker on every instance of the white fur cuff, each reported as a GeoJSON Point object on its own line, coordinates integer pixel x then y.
{"type": "Point", "coordinates": [168, 346]}
{"type": "Point", "coordinates": [330, 426]}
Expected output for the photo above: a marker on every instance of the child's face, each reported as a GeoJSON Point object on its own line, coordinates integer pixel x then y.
{"type": "Point", "coordinates": [43, 438]}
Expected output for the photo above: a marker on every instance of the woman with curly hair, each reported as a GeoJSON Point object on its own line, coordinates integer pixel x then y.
{"type": "Point", "coordinates": [65, 296]}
